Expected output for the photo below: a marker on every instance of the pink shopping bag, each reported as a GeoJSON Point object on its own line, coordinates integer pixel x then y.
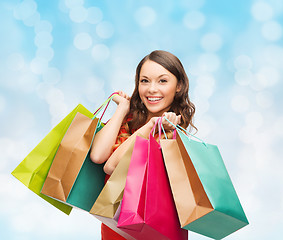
{"type": "Point", "coordinates": [148, 210]}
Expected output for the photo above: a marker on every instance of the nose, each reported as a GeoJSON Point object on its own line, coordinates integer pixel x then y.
{"type": "Point", "coordinates": [152, 87]}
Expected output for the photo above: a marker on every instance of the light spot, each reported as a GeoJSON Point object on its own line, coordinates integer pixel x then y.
{"type": "Point", "coordinates": [271, 31]}
{"type": "Point", "coordinates": [43, 26]}
{"type": "Point", "coordinates": [78, 14]}
{"type": "Point", "coordinates": [74, 3]}
{"type": "Point", "coordinates": [243, 77]}
{"type": "Point", "coordinates": [43, 39]}
{"type": "Point", "coordinates": [262, 11]}
{"type": "Point", "coordinates": [38, 65]}
{"type": "Point", "coordinates": [105, 30]}
{"type": "Point", "coordinates": [46, 53]}
{"type": "Point", "coordinates": [25, 9]}
{"type": "Point", "coordinates": [100, 52]}
{"type": "Point", "coordinates": [243, 62]}
{"type": "Point", "coordinates": [211, 42]}
{"type": "Point", "coordinates": [267, 76]}
{"type": "Point", "coordinates": [194, 20]}
{"type": "Point", "coordinates": [240, 103]}
{"type": "Point", "coordinates": [94, 15]}
{"type": "Point", "coordinates": [264, 99]}
{"type": "Point", "coordinates": [145, 16]}
{"type": "Point", "coordinates": [82, 41]}
{"type": "Point", "coordinates": [32, 20]}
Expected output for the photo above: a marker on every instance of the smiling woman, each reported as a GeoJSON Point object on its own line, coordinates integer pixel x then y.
{"type": "Point", "coordinates": [161, 89]}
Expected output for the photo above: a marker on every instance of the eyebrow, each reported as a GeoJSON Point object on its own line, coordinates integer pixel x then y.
{"type": "Point", "coordinates": [158, 76]}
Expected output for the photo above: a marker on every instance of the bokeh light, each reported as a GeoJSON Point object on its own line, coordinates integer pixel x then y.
{"type": "Point", "coordinates": [194, 20]}
{"type": "Point", "coordinates": [105, 29]}
{"type": "Point", "coordinates": [145, 16]}
{"type": "Point", "coordinates": [82, 41]}
{"type": "Point", "coordinates": [262, 11]}
{"type": "Point", "coordinates": [94, 15]}
{"type": "Point", "coordinates": [100, 52]}
{"type": "Point", "coordinates": [272, 30]}
{"type": "Point", "coordinates": [78, 14]}
{"type": "Point", "coordinates": [211, 42]}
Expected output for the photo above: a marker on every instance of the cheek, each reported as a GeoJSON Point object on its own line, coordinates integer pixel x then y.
{"type": "Point", "coordinates": [141, 91]}
{"type": "Point", "coordinates": [170, 92]}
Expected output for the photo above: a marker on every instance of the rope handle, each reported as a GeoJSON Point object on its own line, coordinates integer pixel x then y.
{"type": "Point", "coordinates": [152, 132]}
{"type": "Point", "coordinates": [105, 106]}
{"type": "Point", "coordinates": [186, 131]}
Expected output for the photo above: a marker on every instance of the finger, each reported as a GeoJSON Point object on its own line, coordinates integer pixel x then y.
{"type": "Point", "coordinates": [179, 118]}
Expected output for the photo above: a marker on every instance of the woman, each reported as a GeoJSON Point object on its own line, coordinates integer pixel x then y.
{"type": "Point", "coordinates": [161, 89]}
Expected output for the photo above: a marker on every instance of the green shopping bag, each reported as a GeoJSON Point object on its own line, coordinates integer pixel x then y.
{"type": "Point", "coordinates": [32, 171]}
{"type": "Point", "coordinates": [227, 215]}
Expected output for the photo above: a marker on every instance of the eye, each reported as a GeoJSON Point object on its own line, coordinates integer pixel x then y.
{"type": "Point", "coordinates": [163, 80]}
{"type": "Point", "coordinates": [144, 80]}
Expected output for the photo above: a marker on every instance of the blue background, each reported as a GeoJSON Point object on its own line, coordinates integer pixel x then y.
{"type": "Point", "coordinates": [56, 54]}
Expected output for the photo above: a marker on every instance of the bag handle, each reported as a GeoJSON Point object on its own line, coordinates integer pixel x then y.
{"type": "Point", "coordinates": [152, 132]}
{"type": "Point", "coordinates": [104, 105]}
{"type": "Point", "coordinates": [186, 131]}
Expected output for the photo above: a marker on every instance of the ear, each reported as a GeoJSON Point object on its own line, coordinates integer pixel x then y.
{"type": "Point", "coordinates": [178, 89]}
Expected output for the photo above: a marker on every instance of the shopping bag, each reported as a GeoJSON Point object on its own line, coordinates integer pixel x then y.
{"type": "Point", "coordinates": [107, 206]}
{"type": "Point", "coordinates": [73, 178]}
{"type": "Point", "coordinates": [189, 195]}
{"type": "Point", "coordinates": [32, 171]}
{"type": "Point", "coordinates": [212, 207]}
{"type": "Point", "coordinates": [148, 210]}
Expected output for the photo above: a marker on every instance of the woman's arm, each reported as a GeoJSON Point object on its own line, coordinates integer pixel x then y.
{"type": "Point", "coordinates": [111, 164]}
{"type": "Point", "coordinates": [105, 139]}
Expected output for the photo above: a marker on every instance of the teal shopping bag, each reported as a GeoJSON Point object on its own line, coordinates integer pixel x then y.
{"type": "Point", "coordinates": [227, 215]}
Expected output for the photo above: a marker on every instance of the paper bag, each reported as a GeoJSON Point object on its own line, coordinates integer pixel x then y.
{"type": "Point", "coordinates": [205, 198]}
{"type": "Point", "coordinates": [148, 210]}
{"type": "Point", "coordinates": [32, 171]}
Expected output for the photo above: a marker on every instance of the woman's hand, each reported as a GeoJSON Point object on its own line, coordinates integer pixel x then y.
{"type": "Point", "coordinates": [173, 118]}
{"type": "Point", "coordinates": [122, 100]}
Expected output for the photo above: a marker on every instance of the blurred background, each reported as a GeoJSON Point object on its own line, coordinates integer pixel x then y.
{"type": "Point", "coordinates": [56, 54]}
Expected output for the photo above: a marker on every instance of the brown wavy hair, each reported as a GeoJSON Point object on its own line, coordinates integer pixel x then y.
{"type": "Point", "coordinates": [181, 104]}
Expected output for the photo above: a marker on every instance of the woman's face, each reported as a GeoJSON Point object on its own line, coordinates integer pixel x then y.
{"type": "Point", "coordinates": [157, 88]}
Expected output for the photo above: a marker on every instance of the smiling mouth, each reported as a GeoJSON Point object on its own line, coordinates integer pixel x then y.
{"type": "Point", "coordinates": [154, 99]}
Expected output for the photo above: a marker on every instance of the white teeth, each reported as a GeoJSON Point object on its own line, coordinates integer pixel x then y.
{"type": "Point", "coordinates": [154, 99]}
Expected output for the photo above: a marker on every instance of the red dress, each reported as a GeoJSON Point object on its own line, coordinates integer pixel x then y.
{"type": "Point", "coordinates": [106, 232]}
